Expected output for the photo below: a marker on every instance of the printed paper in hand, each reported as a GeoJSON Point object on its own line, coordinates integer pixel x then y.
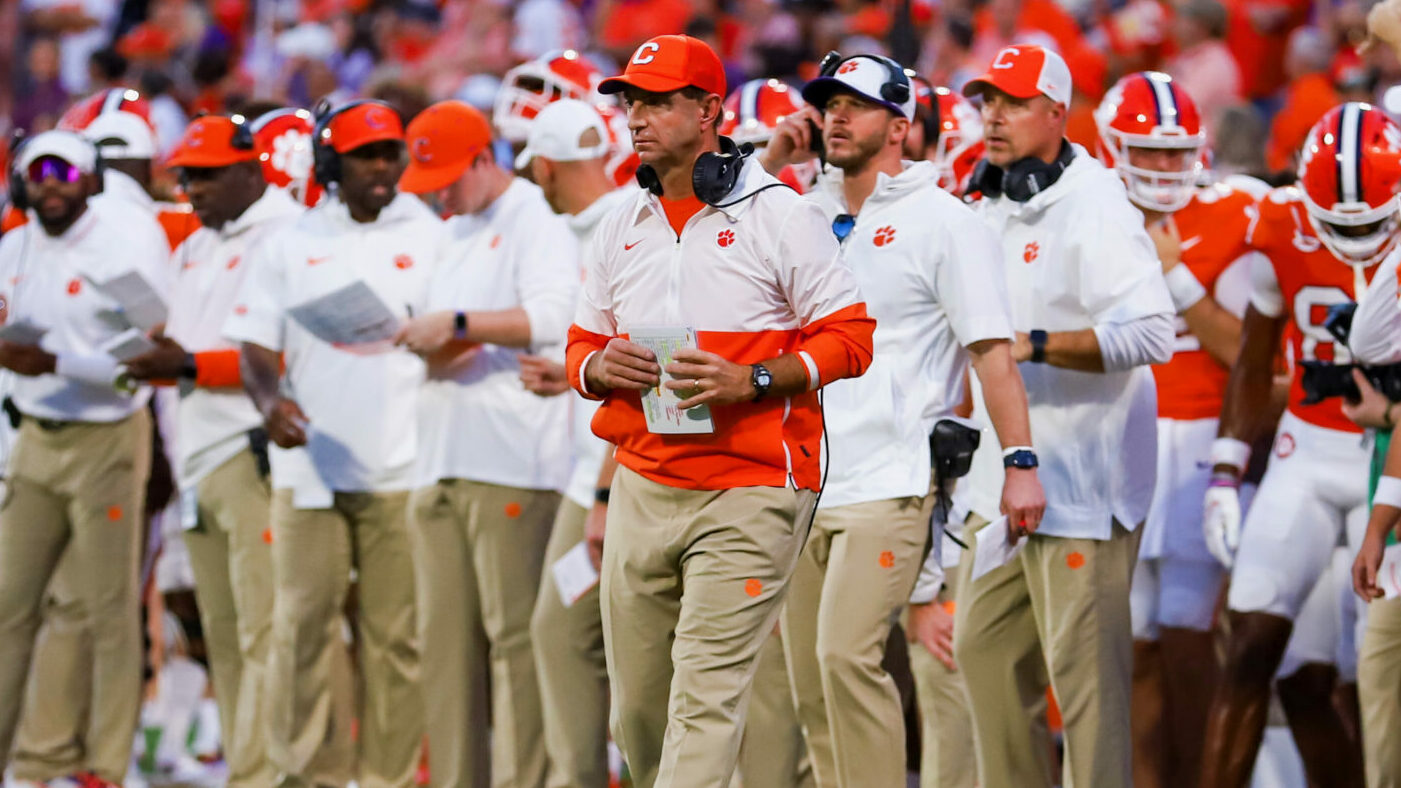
{"type": "Point", "coordinates": [22, 332]}
{"type": "Point", "coordinates": [993, 550]}
{"type": "Point", "coordinates": [351, 315]}
{"type": "Point", "coordinates": [140, 303]}
{"type": "Point", "coordinates": [574, 574]}
{"type": "Point", "coordinates": [660, 404]}
{"type": "Point", "coordinates": [1389, 573]}
{"type": "Point", "coordinates": [128, 345]}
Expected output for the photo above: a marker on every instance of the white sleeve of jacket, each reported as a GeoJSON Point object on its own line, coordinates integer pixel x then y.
{"type": "Point", "coordinates": [1147, 340]}
{"type": "Point", "coordinates": [1376, 326]}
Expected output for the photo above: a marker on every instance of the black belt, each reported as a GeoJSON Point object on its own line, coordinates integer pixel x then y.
{"type": "Point", "coordinates": [47, 425]}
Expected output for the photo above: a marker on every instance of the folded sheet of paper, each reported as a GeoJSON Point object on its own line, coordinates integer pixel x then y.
{"type": "Point", "coordinates": [141, 304]}
{"type": "Point", "coordinates": [1389, 573]}
{"type": "Point", "coordinates": [128, 345]}
{"type": "Point", "coordinates": [351, 315]}
{"type": "Point", "coordinates": [659, 404]}
{"type": "Point", "coordinates": [22, 332]}
{"type": "Point", "coordinates": [574, 574]}
{"type": "Point", "coordinates": [993, 549]}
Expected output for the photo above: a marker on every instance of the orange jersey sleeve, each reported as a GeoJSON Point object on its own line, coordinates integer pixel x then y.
{"type": "Point", "coordinates": [1213, 228]}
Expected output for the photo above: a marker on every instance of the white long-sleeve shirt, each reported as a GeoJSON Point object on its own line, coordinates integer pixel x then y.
{"type": "Point", "coordinates": [478, 422]}
{"type": "Point", "coordinates": [52, 283]}
{"type": "Point", "coordinates": [361, 407]}
{"type": "Point", "coordinates": [1376, 325]}
{"type": "Point", "coordinates": [1077, 257]}
{"type": "Point", "coordinates": [212, 265]}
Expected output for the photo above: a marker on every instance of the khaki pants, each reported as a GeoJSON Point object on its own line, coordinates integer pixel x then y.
{"type": "Point", "coordinates": [854, 577]}
{"type": "Point", "coordinates": [80, 488]}
{"type": "Point", "coordinates": [732, 552]}
{"type": "Point", "coordinates": [1379, 689]}
{"type": "Point", "coordinates": [232, 563]}
{"type": "Point", "coordinates": [772, 754]}
{"type": "Point", "coordinates": [57, 698]}
{"type": "Point", "coordinates": [480, 550]}
{"type": "Point", "coordinates": [572, 669]}
{"type": "Point", "coordinates": [1061, 606]}
{"type": "Point", "coordinates": [948, 757]}
{"type": "Point", "coordinates": [309, 715]}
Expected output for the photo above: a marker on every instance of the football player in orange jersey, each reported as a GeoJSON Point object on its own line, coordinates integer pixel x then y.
{"type": "Point", "coordinates": [1322, 240]}
{"type": "Point", "coordinates": [1151, 133]}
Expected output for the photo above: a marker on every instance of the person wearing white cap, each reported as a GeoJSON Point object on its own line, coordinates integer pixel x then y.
{"type": "Point", "coordinates": [58, 700]}
{"type": "Point", "coordinates": [1091, 311]}
{"type": "Point", "coordinates": [492, 455]}
{"type": "Point", "coordinates": [566, 154]}
{"type": "Point", "coordinates": [921, 260]}
{"type": "Point", "coordinates": [77, 475]}
{"type": "Point", "coordinates": [127, 144]}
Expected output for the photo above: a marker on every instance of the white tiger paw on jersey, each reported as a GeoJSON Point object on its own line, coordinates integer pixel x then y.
{"type": "Point", "coordinates": [1221, 522]}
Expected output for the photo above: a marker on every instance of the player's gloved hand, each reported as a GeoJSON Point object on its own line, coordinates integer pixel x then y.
{"type": "Point", "coordinates": [1221, 518]}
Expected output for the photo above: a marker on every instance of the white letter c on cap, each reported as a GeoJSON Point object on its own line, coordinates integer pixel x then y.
{"type": "Point", "coordinates": [640, 58]}
{"type": "Point", "coordinates": [1002, 55]}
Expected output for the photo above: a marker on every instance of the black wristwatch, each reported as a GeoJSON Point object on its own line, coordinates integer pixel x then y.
{"type": "Point", "coordinates": [760, 376]}
{"type": "Point", "coordinates": [1038, 346]}
{"type": "Point", "coordinates": [459, 325]}
{"type": "Point", "coordinates": [1024, 459]}
{"type": "Point", "coordinates": [189, 369]}
{"type": "Point", "coordinates": [600, 495]}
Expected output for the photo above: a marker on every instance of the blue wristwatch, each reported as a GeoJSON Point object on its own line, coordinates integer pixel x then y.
{"type": "Point", "coordinates": [1021, 458]}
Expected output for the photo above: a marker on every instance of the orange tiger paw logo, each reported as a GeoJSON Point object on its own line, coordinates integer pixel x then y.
{"type": "Point", "coordinates": [884, 236]}
{"type": "Point", "coordinates": [725, 238]}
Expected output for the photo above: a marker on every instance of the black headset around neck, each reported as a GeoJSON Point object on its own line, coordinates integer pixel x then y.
{"type": "Point", "coordinates": [1026, 178]}
{"type": "Point", "coordinates": [713, 176]}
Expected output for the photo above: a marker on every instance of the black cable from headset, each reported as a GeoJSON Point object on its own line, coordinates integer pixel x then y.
{"type": "Point", "coordinates": [742, 198]}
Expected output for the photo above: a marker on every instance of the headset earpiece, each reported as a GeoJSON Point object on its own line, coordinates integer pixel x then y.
{"type": "Point", "coordinates": [243, 133]}
{"type": "Point", "coordinates": [19, 197]}
{"type": "Point", "coordinates": [325, 161]}
{"type": "Point", "coordinates": [715, 174]}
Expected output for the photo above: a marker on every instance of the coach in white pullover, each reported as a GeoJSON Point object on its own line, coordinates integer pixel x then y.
{"type": "Point", "coordinates": [344, 418]}
{"type": "Point", "coordinates": [928, 271]}
{"type": "Point", "coordinates": [221, 462]}
{"type": "Point", "coordinates": [77, 475]}
{"type": "Point", "coordinates": [493, 454]}
{"type": "Point", "coordinates": [1091, 309]}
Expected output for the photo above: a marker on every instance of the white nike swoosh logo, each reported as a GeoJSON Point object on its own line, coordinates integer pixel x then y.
{"type": "Point", "coordinates": [1191, 242]}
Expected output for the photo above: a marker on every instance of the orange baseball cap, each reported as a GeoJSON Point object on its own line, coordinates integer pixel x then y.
{"type": "Point", "coordinates": [668, 63]}
{"type": "Point", "coordinates": [362, 124]}
{"type": "Point", "coordinates": [443, 142]}
{"type": "Point", "coordinates": [208, 142]}
{"type": "Point", "coordinates": [1024, 71]}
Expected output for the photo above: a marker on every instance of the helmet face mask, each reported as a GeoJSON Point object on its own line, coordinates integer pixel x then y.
{"type": "Point", "coordinates": [1349, 172]}
{"type": "Point", "coordinates": [1164, 190]}
{"type": "Point", "coordinates": [1147, 111]}
{"type": "Point", "coordinates": [534, 85]}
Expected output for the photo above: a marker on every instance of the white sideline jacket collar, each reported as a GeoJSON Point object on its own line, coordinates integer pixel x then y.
{"type": "Point", "coordinates": [274, 203]}
{"type": "Point", "coordinates": [586, 221]}
{"type": "Point", "coordinates": [1079, 166]}
{"type": "Point", "coordinates": [333, 214]}
{"type": "Point", "coordinates": [916, 175]}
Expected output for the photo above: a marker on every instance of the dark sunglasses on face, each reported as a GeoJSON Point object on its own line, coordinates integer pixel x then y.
{"type": "Point", "coordinates": [843, 225]}
{"type": "Point", "coordinates": [53, 167]}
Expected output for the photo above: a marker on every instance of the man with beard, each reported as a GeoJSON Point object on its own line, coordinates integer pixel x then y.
{"type": "Point", "coordinates": [921, 259]}
{"type": "Point", "coordinates": [78, 471]}
{"type": "Point", "coordinates": [343, 417]}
